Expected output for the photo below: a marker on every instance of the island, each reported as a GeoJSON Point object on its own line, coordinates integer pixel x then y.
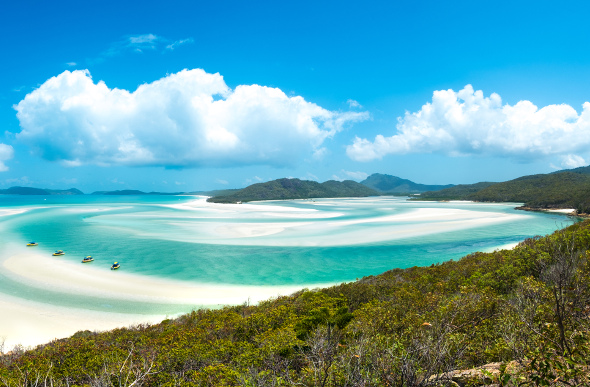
{"type": "Point", "coordinates": [39, 191]}
{"type": "Point", "coordinates": [285, 189]}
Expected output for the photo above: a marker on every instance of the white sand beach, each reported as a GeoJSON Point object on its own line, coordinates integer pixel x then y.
{"type": "Point", "coordinates": [507, 246]}
{"type": "Point", "coordinates": [568, 211]}
{"type": "Point", "coordinates": [31, 323]}
{"type": "Point", "coordinates": [43, 271]}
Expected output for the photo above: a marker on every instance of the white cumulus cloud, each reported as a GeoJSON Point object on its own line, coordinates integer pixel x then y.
{"type": "Point", "coordinates": [356, 175]}
{"type": "Point", "coordinates": [6, 153]}
{"type": "Point", "coordinates": [187, 119]}
{"type": "Point", "coordinates": [572, 161]}
{"type": "Point", "coordinates": [467, 122]}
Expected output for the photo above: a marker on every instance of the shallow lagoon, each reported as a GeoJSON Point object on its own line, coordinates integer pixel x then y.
{"type": "Point", "coordinates": [230, 253]}
{"type": "Point", "coordinates": [269, 243]}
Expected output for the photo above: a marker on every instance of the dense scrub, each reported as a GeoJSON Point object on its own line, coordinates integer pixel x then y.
{"type": "Point", "coordinates": [401, 328]}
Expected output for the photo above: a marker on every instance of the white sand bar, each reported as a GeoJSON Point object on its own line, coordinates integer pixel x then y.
{"type": "Point", "coordinates": [40, 271]}
{"type": "Point", "coordinates": [273, 224]}
{"type": "Point", "coordinates": [30, 323]}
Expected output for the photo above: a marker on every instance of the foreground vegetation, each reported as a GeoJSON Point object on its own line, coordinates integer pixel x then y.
{"type": "Point", "coordinates": [528, 306]}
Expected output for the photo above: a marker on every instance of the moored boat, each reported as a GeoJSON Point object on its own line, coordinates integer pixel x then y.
{"type": "Point", "coordinates": [115, 266]}
{"type": "Point", "coordinates": [32, 243]}
{"type": "Point", "coordinates": [59, 252]}
{"type": "Point", "coordinates": [87, 259]}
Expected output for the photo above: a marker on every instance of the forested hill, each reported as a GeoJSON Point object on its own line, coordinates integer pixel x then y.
{"type": "Point", "coordinates": [283, 189]}
{"type": "Point", "coordinates": [388, 184]}
{"type": "Point", "coordinates": [526, 307]}
{"type": "Point", "coordinates": [563, 189]}
{"type": "Point", "coordinates": [39, 191]}
{"type": "Point", "coordinates": [556, 190]}
{"type": "Point", "coordinates": [457, 192]}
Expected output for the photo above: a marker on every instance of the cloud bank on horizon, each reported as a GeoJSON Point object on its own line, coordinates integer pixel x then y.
{"type": "Point", "coordinates": [467, 123]}
{"type": "Point", "coordinates": [187, 119]}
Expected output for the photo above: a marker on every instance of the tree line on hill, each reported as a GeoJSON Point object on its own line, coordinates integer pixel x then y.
{"type": "Point", "coordinates": [563, 189]}
{"type": "Point", "coordinates": [283, 189]}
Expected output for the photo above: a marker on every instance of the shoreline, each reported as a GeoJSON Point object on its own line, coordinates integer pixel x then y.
{"type": "Point", "coordinates": [571, 212]}
{"type": "Point", "coordinates": [31, 322]}
{"type": "Point", "coordinates": [34, 323]}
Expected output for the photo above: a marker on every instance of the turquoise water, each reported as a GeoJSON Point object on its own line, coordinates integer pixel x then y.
{"type": "Point", "coordinates": [270, 243]}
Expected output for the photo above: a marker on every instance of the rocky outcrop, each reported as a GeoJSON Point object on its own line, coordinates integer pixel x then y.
{"type": "Point", "coordinates": [485, 375]}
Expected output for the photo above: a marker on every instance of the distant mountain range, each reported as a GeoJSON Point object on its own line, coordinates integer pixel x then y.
{"type": "Point", "coordinates": [560, 189]}
{"type": "Point", "coordinates": [39, 191]}
{"type": "Point", "coordinates": [388, 184]}
{"type": "Point", "coordinates": [283, 189]}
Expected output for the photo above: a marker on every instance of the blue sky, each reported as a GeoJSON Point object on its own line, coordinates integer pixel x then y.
{"type": "Point", "coordinates": [189, 95]}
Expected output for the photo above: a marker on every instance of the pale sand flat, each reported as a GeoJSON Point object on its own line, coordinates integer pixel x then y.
{"type": "Point", "coordinates": [31, 323]}
{"type": "Point", "coordinates": [413, 223]}
{"type": "Point", "coordinates": [206, 210]}
{"type": "Point", "coordinates": [42, 271]}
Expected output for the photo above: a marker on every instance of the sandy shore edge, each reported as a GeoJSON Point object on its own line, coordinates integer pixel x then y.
{"type": "Point", "coordinates": [31, 323]}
